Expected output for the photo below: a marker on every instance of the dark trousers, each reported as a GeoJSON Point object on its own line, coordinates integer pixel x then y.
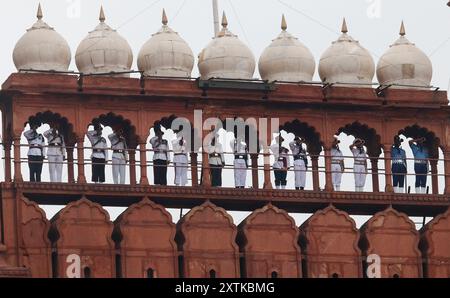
{"type": "Point", "coordinates": [398, 175]}
{"type": "Point", "coordinates": [280, 177]}
{"type": "Point", "coordinates": [35, 165]}
{"type": "Point", "coordinates": [160, 172]}
{"type": "Point", "coordinates": [216, 175]}
{"type": "Point", "coordinates": [98, 169]}
{"type": "Point", "coordinates": [421, 170]}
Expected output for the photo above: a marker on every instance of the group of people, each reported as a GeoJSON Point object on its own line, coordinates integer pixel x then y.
{"type": "Point", "coordinates": [56, 152]}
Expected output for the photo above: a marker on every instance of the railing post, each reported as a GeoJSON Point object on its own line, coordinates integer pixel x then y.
{"type": "Point", "coordinates": [17, 160]}
{"type": "Point", "coordinates": [434, 177]}
{"type": "Point", "coordinates": [132, 163]}
{"type": "Point", "coordinates": [375, 180]}
{"type": "Point", "coordinates": [387, 168]}
{"type": "Point", "coordinates": [267, 182]}
{"type": "Point", "coordinates": [143, 157]}
{"type": "Point", "coordinates": [328, 171]}
{"type": "Point", "coordinates": [315, 172]}
{"type": "Point", "coordinates": [255, 178]}
{"type": "Point", "coordinates": [80, 161]}
{"type": "Point", "coordinates": [70, 167]}
{"type": "Point", "coordinates": [7, 149]}
{"type": "Point", "coordinates": [194, 168]}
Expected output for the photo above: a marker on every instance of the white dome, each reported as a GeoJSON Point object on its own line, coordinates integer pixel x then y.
{"type": "Point", "coordinates": [287, 59]}
{"type": "Point", "coordinates": [166, 54]}
{"type": "Point", "coordinates": [346, 61]}
{"type": "Point", "coordinates": [404, 64]}
{"type": "Point", "coordinates": [226, 57]}
{"type": "Point", "coordinates": [42, 48]}
{"type": "Point", "coordinates": [104, 51]}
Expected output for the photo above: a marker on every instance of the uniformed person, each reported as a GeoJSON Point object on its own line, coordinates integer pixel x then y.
{"type": "Point", "coordinates": [119, 156]}
{"type": "Point", "coordinates": [99, 155]}
{"type": "Point", "coordinates": [180, 159]}
{"type": "Point", "coordinates": [398, 156]}
{"type": "Point", "coordinates": [55, 153]}
{"type": "Point", "coordinates": [337, 164]}
{"type": "Point", "coordinates": [360, 164]}
{"type": "Point", "coordinates": [240, 151]}
{"type": "Point", "coordinates": [281, 164]}
{"type": "Point", "coordinates": [216, 161]}
{"type": "Point", "coordinates": [36, 152]}
{"type": "Point", "coordinates": [300, 162]}
{"type": "Point", "coordinates": [421, 156]}
{"type": "Point", "coordinates": [160, 157]}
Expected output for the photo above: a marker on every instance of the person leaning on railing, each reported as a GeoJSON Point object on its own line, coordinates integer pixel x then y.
{"type": "Point", "coordinates": [421, 156]}
{"type": "Point", "coordinates": [36, 152]}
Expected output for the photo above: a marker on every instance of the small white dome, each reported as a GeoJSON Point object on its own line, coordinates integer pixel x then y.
{"type": "Point", "coordinates": [166, 54]}
{"type": "Point", "coordinates": [104, 51]}
{"type": "Point", "coordinates": [404, 64]}
{"type": "Point", "coordinates": [346, 61]}
{"type": "Point", "coordinates": [287, 59]}
{"type": "Point", "coordinates": [226, 57]}
{"type": "Point", "coordinates": [42, 48]}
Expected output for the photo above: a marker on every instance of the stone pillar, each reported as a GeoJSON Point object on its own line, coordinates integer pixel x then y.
{"type": "Point", "coordinates": [315, 172]}
{"type": "Point", "coordinates": [70, 166]}
{"type": "Point", "coordinates": [194, 168]}
{"type": "Point", "coordinates": [17, 160]}
{"type": "Point", "coordinates": [7, 148]}
{"type": "Point", "coordinates": [388, 169]}
{"type": "Point", "coordinates": [434, 176]}
{"type": "Point", "coordinates": [267, 182]}
{"type": "Point", "coordinates": [255, 180]}
{"type": "Point", "coordinates": [132, 164]}
{"type": "Point", "coordinates": [206, 178]}
{"type": "Point", "coordinates": [447, 171]}
{"type": "Point", "coordinates": [143, 156]}
{"type": "Point", "coordinates": [80, 161]}
{"type": "Point", "coordinates": [375, 180]}
{"type": "Point", "coordinates": [328, 179]}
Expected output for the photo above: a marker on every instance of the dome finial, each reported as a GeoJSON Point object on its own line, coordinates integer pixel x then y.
{"type": "Point", "coordinates": [102, 17]}
{"type": "Point", "coordinates": [402, 29]}
{"type": "Point", "coordinates": [224, 20]}
{"type": "Point", "coordinates": [344, 26]}
{"type": "Point", "coordinates": [165, 21]}
{"type": "Point", "coordinates": [39, 12]}
{"type": "Point", "coordinates": [283, 23]}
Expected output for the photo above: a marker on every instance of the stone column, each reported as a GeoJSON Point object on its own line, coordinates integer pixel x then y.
{"type": "Point", "coordinates": [17, 160]}
{"type": "Point", "coordinates": [206, 178]}
{"type": "Point", "coordinates": [315, 172]}
{"type": "Point", "coordinates": [267, 182]}
{"type": "Point", "coordinates": [194, 168]}
{"type": "Point", "coordinates": [388, 169]}
{"type": "Point", "coordinates": [434, 176]}
{"type": "Point", "coordinates": [328, 178]}
{"type": "Point", "coordinates": [447, 170]}
{"type": "Point", "coordinates": [132, 164]}
{"type": "Point", "coordinates": [80, 160]}
{"type": "Point", "coordinates": [7, 149]}
{"type": "Point", "coordinates": [143, 155]}
{"type": "Point", "coordinates": [70, 166]}
{"type": "Point", "coordinates": [255, 180]}
{"type": "Point", "coordinates": [375, 180]}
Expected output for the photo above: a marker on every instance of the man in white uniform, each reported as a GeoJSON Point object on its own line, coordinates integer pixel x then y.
{"type": "Point", "coordinates": [337, 164]}
{"type": "Point", "coordinates": [300, 162]}
{"type": "Point", "coordinates": [216, 161]}
{"type": "Point", "coordinates": [55, 153]}
{"type": "Point", "coordinates": [360, 164]}
{"type": "Point", "coordinates": [119, 156]}
{"type": "Point", "coordinates": [36, 152]}
{"type": "Point", "coordinates": [281, 164]}
{"type": "Point", "coordinates": [160, 157]}
{"type": "Point", "coordinates": [240, 151]}
{"type": "Point", "coordinates": [99, 155]}
{"type": "Point", "coordinates": [180, 159]}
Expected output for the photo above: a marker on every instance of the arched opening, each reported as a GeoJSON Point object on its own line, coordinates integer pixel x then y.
{"type": "Point", "coordinates": [48, 156]}
{"type": "Point", "coordinates": [395, 276]}
{"type": "Point", "coordinates": [150, 273]}
{"type": "Point", "coordinates": [274, 274]}
{"type": "Point", "coordinates": [306, 173]}
{"type": "Point", "coordinates": [212, 273]}
{"type": "Point", "coordinates": [367, 163]}
{"type": "Point", "coordinates": [87, 272]}
{"type": "Point", "coordinates": [435, 165]}
{"type": "Point", "coordinates": [335, 275]}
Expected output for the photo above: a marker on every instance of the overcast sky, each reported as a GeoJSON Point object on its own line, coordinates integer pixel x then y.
{"type": "Point", "coordinates": [375, 23]}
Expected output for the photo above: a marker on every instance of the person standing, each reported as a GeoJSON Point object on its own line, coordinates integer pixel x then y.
{"type": "Point", "coordinates": [216, 161]}
{"type": "Point", "coordinates": [398, 165]}
{"type": "Point", "coordinates": [300, 162]}
{"type": "Point", "coordinates": [36, 152]}
{"type": "Point", "coordinates": [119, 156]}
{"type": "Point", "coordinates": [240, 151]}
{"type": "Point", "coordinates": [99, 155]}
{"type": "Point", "coordinates": [421, 156]}
{"type": "Point", "coordinates": [160, 157]}
{"type": "Point", "coordinates": [281, 164]}
{"type": "Point", "coordinates": [180, 159]}
{"type": "Point", "coordinates": [360, 164]}
{"type": "Point", "coordinates": [55, 153]}
{"type": "Point", "coordinates": [337, 165]}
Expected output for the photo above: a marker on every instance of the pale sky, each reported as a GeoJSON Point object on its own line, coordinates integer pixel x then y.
{"type": "Point", "coordinates": [375, 23]}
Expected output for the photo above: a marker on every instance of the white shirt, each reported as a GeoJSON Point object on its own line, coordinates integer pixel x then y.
{"type": "Point", "coordinates": [118, 143]}
{"type": "Point", "coordinates": [336, 155]}
{"type": "Point", "coordinates": [297, 150]}
{"type": "Point", "coordinates": [360, 156]}
{"type": "Point", "coordinates": [36, 142]}
{"type": "Point", "coordinates": [57, 138]}
{"type": "Point", "coordinates": [98, 144]}
{"type": "Point", "coordinates": [180, 151]}
{"type": "Point", "coordinates": [279, 163]}
{"type": "Point", "coordinates": [216, 150]}
{"type": "Point", "coordinates": [160, 148]}
{"type": "Point", "coordinates": [239, 147]}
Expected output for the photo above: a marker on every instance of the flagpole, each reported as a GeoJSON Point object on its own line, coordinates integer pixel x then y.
{"type": "Point", "coordinates": [216, 16]}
